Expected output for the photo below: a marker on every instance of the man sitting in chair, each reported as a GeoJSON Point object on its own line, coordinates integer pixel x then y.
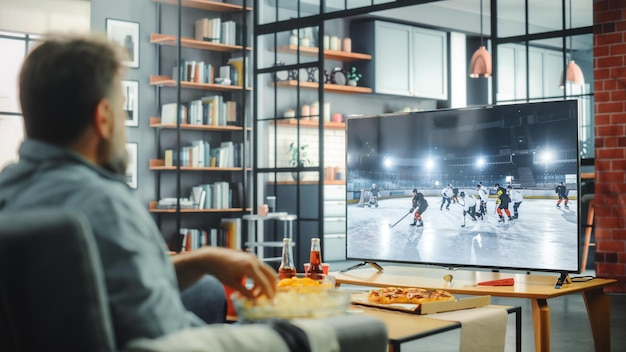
{"type": "Point", "coordinates": [74, 157]}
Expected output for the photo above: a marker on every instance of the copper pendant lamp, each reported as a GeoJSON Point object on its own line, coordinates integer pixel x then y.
{"type": "Point", "coordinates": [480, 65]}
{"type": "Point", "coordinates": [573, 74]}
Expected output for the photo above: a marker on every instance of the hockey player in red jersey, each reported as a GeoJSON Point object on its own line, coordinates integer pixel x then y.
{"type": "Point", "coordinates": [502, 202]}
{"type": "Point", "coordinates": [419, 204]}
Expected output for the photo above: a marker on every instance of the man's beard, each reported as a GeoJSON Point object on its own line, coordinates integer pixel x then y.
{"type": "Point", "coordinates": [115, 157]}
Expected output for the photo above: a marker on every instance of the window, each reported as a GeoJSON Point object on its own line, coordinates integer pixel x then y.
{"type": "Point", "coordinates": [14, 47]}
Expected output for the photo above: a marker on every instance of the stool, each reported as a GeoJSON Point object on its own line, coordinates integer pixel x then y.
{"type": "Point", "coordinates": [589, 227]}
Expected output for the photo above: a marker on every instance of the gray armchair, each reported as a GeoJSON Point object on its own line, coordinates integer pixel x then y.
{"type": "Point", "coordinates": [51, 284]}
{"type": "Point", "coordinates": [53, 296]}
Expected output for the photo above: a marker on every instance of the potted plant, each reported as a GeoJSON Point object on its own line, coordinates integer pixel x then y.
{"type": "Point", "coordinates": [353, 77]}
{"type": "Point", "coordinates": [298, 156]}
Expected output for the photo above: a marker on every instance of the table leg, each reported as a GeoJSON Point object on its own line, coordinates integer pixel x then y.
{"type": "Point", "coordinates": [541, 324]}
{"type": "Point", "coordinates": [394, 347]}
{"type": "Point", "coordinates": [599, 311]}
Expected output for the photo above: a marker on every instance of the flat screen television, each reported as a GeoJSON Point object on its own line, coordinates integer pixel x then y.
{"type": "Point", "coordinates": [530, 147]}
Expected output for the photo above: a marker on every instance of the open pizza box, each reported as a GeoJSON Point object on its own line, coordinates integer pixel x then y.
{"type": "Point", "coordinates": [427, 307]}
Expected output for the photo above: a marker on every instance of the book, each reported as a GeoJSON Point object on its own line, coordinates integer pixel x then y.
{"type": "Point", "coordinates": [168, 113]}
{"type": "Point", "coordinates": [169, 158]}
{"type": "Point", "coordinates": [232, 232]}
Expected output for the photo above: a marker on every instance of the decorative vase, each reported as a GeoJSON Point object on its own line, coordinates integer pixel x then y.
{"type": "Point", "coordinates": [351, 82]}
{"type": "Point", "coordinates": [298, 176]}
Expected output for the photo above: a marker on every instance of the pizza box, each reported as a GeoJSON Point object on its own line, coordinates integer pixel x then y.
{"type": "Point", "coordinates": [457, 304]}
{"type": "Point", "coordinates": [427, 307]}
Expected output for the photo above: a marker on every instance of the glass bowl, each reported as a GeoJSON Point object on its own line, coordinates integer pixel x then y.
{"type": "Point", "coordinates": [296, 302]}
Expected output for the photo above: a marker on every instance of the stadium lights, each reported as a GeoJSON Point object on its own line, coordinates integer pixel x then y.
{"type": "Point", "coordinates": [430, 164]}
{"type": "Point", "coordinates": [546, 156]}
{"type": "Point", "coordinates": [480, 162]}
{"type": "Point", "coordinates": [387, 162]}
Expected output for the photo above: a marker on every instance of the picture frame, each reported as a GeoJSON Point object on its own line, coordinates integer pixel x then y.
{"type": "Point", "coordinates": [126, 34]}
{"type": "Point", "coordinates": [131, 102]}
{"type": "Point", "coordinates": [131, 169]}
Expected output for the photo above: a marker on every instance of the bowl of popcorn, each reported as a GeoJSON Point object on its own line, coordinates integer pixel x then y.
{"type": "Point", "coordinates": [297, 297]}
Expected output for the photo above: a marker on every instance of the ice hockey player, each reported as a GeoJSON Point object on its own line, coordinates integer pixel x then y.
{"type": "Point", "coordinates": [562, 192]}
{"type": "Point", "coordinates": [469, 205]}
{"type": "Point", "coordinates": [483, 195]}
{"type": "Point", "coordinates": [419, 204]}
{"type": "Point", "coordinates": [502, 203]}
{"type": "Point", "coordinates": [446, 196]}
{"type": "Point", "coordinates": [455, 193]}
{"type": "Point", "coordinates": [374, 193]}
{"type": "Point", "coordinates": [516, 198]}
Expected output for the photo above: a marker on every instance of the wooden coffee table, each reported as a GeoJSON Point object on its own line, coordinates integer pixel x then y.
{"type": "Point", "coordinates": [537, 288]}
{"type": "Point", "coordinates": [405, 327]}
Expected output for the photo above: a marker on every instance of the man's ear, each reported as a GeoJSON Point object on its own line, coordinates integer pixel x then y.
{"type": "Point", "coordinates": [103, 119]}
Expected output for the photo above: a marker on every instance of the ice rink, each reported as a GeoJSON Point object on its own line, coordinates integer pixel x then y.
{"type": "Point", "coordinates": [543, 237]}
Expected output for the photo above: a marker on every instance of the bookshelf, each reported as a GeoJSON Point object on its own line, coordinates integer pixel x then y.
{"type": "Point", "coordinates": [202, 141]}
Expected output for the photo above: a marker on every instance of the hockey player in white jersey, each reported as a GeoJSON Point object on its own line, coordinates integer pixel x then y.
{"type": "Point", "coordinates": [446, 197]}
{"type": "Point", "coordinates": [483, 195]}
{"type": "Point", "coordinates": [469, 205]}
{"type": "Point", "coordinates": [516, 199]}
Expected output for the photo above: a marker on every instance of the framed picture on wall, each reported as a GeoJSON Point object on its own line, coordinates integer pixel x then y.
{"type": "Point", "coordinates": [131, 169]}
{"type": "Point", "coordinates": [126, 34]}
{"type": "Point", "coordinates": [131, 103]}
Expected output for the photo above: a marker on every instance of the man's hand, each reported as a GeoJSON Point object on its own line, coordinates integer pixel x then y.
{"type": "Point", "coordinates": [229, 266]}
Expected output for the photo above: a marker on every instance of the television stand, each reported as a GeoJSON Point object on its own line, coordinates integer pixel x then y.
{"type": "Point", "coordinates": [563, 279]}
{"type": "Point", "coordinates": [373, 264]}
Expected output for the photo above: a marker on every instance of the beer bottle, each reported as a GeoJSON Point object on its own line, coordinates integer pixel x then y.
{"type": "Point", "coordinates": [316, 272]}
{"type": "Point", "coordinates": [287, 269]}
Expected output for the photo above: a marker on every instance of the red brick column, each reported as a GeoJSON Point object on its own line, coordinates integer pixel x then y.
{"type": "Point", "coordinates": [609, 63]}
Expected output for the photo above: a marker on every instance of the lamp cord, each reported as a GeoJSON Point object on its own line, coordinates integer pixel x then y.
{"type": "Point", "coordinates": [571, 43]}
{"type": "Point", "coordinates": [481, 22]}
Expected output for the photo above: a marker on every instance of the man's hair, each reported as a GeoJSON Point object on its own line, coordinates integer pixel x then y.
{"type": "Point", "coordinates": [62, 81]}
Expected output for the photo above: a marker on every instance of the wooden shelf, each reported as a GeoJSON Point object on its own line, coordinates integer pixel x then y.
{"type": "Point", "coordinates": [166, 81]}
{"type": "Point", "coordinates": [155, 122]}
{"type": "Point", "coordinates": [326, 182]}
{"type": "Point", "coordinates": [311, 124]}
{"type": "Point", "coordinates": [328, 54]}
{"type": "Point", "coordinates": [172, 40]}
{"type": "Point", "coordinates": [159, 165]}
{"type": "Point", "coordinates": [206, 5]}
{"type": "Point", "coordinates": [333, 88]}
{"type": "Point", "coordinates": [154, 209]}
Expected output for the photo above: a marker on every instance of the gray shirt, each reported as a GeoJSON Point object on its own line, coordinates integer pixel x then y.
{"type": "Point", "coordinates": [141, 282]}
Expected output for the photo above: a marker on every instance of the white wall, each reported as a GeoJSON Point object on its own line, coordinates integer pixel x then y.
{"type": "Point", "coordinates": [42, 16]}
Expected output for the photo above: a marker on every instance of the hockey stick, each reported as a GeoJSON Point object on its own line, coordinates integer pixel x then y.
{"type": "Point", "coordinates": [396, 223]}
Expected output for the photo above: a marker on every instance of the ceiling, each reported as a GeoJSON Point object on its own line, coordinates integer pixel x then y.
{"type": "Point", "coordinates": [464, 16]}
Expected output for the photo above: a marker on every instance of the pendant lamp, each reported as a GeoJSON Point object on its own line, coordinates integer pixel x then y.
{"type": "Point", "coordinates": [480, 66]}
{"type": "Point", "coordinates": [573, 73]}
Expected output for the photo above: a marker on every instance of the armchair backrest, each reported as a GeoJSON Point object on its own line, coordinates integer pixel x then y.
{"type": "Point", "coordinates": [52, 288]}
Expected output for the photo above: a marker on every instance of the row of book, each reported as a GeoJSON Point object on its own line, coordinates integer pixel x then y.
{"type": "Point", "coordinates": [227, 234]}
{"type": "Point", "coordinates": [209, 111]}
{"type": "Point", "coordinates": [194, 71]}
{"type": "Point", "coordinates": [200, 154]}
{"type": "Point", "coordinates": [215, 31]}
{"type": "Point", "coordinates": [202, 72]}
{"type": "Point", "coordinates": [217, 195]}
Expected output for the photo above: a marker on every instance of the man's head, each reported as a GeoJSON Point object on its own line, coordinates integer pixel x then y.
{"type": "Point", "coordinates": [71, 96]}
{"type": "Point", "coordinates": [414, 190]}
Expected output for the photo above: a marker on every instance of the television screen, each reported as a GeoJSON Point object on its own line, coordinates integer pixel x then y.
{"type": "Point", "coordinates": [490, 187]}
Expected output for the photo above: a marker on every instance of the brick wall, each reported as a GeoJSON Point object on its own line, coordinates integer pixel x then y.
{"type": "Point", "coordinates": [609, 18]}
